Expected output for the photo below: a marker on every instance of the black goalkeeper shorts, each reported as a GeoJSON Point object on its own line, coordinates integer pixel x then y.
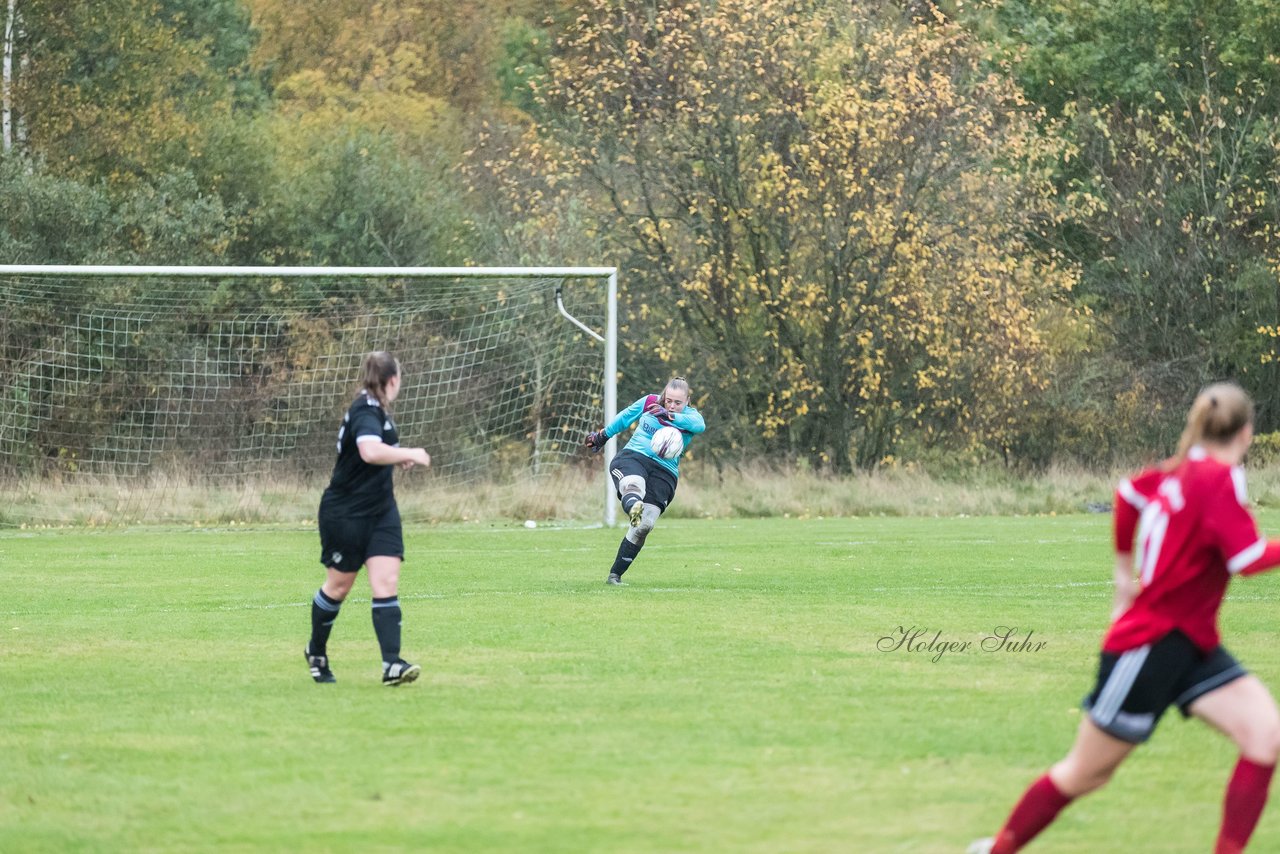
{"type": "Point", "coordinates": [659, 484]}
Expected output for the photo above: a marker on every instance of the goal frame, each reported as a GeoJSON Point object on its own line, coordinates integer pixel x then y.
{"type": "Point", "coordinates": [609, 373]}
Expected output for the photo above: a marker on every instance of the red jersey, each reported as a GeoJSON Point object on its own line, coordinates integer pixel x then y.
{"type": "Point", "coordinates": [1194, 533]}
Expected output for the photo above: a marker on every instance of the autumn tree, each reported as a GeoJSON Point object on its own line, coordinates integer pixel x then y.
{"type": "Point", "coordinates": [125, 89]}
{"type": "Point", "coordinates": [362, 149]}
{"type": "Point", "coordinates": [1173, 109]}
{"type": "Point", "coordinates": [461, 49]}
{"type": "Point", "coordinates": [828, 209]}
{"type": "Point", "coordinates": [124, 123]}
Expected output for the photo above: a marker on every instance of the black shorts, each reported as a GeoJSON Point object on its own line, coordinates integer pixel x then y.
{"type": "Point", "coordinates": [346, 542]}
{"type": "Point", "coordinates": [659, 484]}
{"type": "Point", "coordinates": [1135, 687]}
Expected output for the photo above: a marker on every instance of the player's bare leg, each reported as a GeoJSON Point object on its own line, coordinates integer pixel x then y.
{"type": "Point", "coordinates": [1245, 712]}
{"type": "Point", "coordinates": [1088, 766]}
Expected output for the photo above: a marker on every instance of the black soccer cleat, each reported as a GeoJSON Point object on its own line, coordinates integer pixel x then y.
{"type": "Point", "coordinates": [399, 672]}
{"type": "Point", "coordinates": [319, 665]}
{"type": "Point", "coordinates": [615, 579]}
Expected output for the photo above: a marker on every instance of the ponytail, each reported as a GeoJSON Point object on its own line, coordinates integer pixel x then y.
{"type": "Point", "coordinates": [1219, 412]}
{"type": "Point", "coordinates": [378, 369]}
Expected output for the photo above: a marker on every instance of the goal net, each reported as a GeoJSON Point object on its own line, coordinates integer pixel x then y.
{"type": "Point", "coordinates": [214, 395]}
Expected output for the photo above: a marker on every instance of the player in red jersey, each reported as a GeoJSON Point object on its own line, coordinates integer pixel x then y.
{"type": "Point", "coordinates": [1163, 647]}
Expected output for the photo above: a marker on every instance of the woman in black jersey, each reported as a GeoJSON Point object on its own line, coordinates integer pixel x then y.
{"type": "Point", "coordinates": [360, 524]}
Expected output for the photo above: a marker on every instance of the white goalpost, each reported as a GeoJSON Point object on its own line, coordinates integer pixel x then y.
{"type": "Point", "coordinates": [139, 394]}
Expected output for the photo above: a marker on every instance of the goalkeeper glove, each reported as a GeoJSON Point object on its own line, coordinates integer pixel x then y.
{"type": "Point", "coordinates": [657, 410]}
{"type": "Point", "coordinates": [596, 441]}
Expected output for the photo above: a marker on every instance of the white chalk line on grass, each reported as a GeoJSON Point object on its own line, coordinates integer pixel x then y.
{"type": "Point", "coordinates": [639, 590]}
{"type": "Point", "coordinates": [473, 594]}
{"type": "Point", "coordinates": [967, 591]}
{"type": "Point", "coordinates": [633, 590]}
{"type": "Point", "coordinates": [306, 603]}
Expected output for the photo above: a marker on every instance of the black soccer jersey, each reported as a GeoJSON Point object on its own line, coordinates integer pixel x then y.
{"type": "Point", "coordinates": [358, 488]}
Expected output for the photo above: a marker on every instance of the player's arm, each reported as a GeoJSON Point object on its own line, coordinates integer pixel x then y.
{"type": "Point", "coordinates": [1268, 558]}
{"type": "Point", "coordinates": [376, 452]}
{"type": "Point", "coordinates": [367, 429]}
{"type": "Point", "coordinates": [596, 440]}
{"type": "Point", "coordinates": [1131, 497]}
{"type": "Point", "coordinates": [625, 418]}
{"type": "Point", "coordinates": [1124, 525]}
{"type": "Point", "coordinates": [689, 421]}
{"type": "Point", "coordinates": [1232, 526]}
{"type": "Point", "coordinates": [1126, 587]}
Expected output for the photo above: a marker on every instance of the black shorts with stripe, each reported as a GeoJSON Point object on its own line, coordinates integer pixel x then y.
{"type": "Point", "coordinates": [1136, 686]}
{"type": "Point", "coordinates": [659, 484]}
{"type": "Point", "coordinates": [346, 542]}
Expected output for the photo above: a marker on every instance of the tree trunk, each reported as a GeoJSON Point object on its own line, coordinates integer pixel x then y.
{"type": "Point", "coordinates": [6, 121]}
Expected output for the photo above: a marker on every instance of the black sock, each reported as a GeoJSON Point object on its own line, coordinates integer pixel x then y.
{"type": "Point", "coordinates": [628, 500]}
{"type": "Point", "coordinates": [626, 553]}
{"type": "Point", "coordinates": [386, 624]}
{"type": "Point", "coordinates": [323, 612]}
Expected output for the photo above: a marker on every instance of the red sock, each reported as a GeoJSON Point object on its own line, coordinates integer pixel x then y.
{"type": "Point", "coordinates": [1039, 806]}
{"type": "Point", "coordinates": [1246, 796]}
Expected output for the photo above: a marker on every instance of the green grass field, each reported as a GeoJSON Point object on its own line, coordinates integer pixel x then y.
{"type": "Point", "coordinates": [732, 698]}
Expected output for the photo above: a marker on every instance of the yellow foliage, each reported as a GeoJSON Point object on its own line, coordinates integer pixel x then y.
{"type": "Point", "coordinates": [841, 200]}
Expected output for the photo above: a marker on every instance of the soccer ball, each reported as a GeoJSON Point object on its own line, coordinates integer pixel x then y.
{"type": "Point", "coordinates": [667, 442]}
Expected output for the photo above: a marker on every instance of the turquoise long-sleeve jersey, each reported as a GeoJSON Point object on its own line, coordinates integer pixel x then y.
{"type": "Point", "coordinates": [689, 423]}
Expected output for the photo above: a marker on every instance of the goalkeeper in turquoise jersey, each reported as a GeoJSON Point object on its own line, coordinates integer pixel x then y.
{"type": "Point", "coordinates": [645, 482]}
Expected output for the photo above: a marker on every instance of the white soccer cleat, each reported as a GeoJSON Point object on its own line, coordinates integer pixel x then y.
{"type": "Point", "coordinates": [981, 846]}
{"type": "Point", "coordinates": [400, 673]}
{"type": "Point", "coordinates": [319, 665]}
